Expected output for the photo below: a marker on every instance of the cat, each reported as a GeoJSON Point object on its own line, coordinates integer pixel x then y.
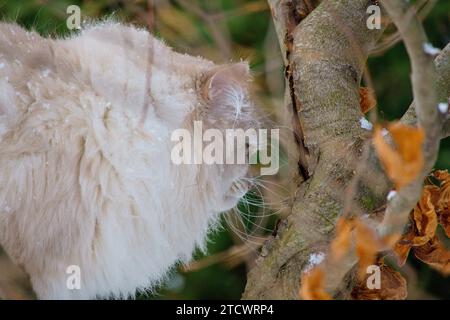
{"type": "Point", "coordinates": [86, 177]}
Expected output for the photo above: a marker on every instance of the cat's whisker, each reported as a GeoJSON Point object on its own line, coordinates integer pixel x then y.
{"type": "Point", "coordinates": [244, 236]}
{"type": "Point", "coordinates": [259, 184]}
{"type": "Point", "coordinates": [113, 185]}
{"type": "Point", "coordinates": [245, 216]}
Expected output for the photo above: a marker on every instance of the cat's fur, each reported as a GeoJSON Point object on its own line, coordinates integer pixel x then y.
{"type": "Point", "coordinates": [84, 181]}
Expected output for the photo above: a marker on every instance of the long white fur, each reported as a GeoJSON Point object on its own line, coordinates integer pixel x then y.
{"type": "Point", "coordinates": [82, 181]}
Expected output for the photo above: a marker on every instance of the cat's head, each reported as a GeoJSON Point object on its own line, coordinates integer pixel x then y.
{"type": "Point", "coordinates": [226, 110]}
{"type": "Point", "coordinates": [220, 134]}
{"type": "Point", "coordinates": [224, 95]}
{"type": "Point", "coordinates": [178, 91]}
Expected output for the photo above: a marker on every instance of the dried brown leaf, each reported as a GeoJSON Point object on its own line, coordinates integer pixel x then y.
{"type": "Point", "coordinates": [341, 243]}
{"type": "Point", "coordinates": [444, 177]}
{"type": "Point", "coordinates": [404, 245]}
{"type": "Point", "coordinates": [404, 163]}
{"type": "Point", "coordinates": [444, 220]}
{"type": "Point", "coordinates": [422, 227]}
{"type": "Point", "coordinates": [367, 246]}
{"type": "Point", "coordinates": [425, 218]}
{"type": "Point", "coordinates": [392, 287]}
{"type": "Point", "coordinates": [312, 285]}
{"type": "Point", "coordinates": [367, 99]}
{"type": "Point", "coordinates": [435, 255]}
{"type": "Point", "coordinates": [443, 200]}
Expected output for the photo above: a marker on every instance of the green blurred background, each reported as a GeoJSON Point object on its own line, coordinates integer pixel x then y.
{"type": "Point", "coordinates": [224, 30]}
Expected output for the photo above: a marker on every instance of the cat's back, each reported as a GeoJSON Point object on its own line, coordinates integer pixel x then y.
{"type": "Point", "coordinates": [13, 38]}
{"type": "Point", "coordinates": [23, 48]}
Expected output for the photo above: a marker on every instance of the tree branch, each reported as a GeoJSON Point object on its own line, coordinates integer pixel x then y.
{"type": "Point", "coordinates": [330, 48]}
{"type": "Point", "coordinates": [424, 79]}
{"type": "Point", "coordinates": [442, 65]}
{"type": "Point", "coordinates": [325, 61]}
{"type": "Point", "coordinates": [424, 87]}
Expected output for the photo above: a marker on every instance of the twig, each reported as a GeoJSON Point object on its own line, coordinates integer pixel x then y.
{"type": "Point", "coordinates": [426, 100]}
{"type": "Point", "coordinates": [219, 36]}
{"type": "Point", "coordinates": [424, 87]}
{"type": "Point", "coordinates": [442, 64]}
{"type": "Point", "coordinates": [328, 53]}
{"type": "Point", "coordinates": [423, 8]}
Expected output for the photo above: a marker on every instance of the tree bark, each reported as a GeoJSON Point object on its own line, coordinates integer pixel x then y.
{"type": "Point", "coordinates": [325, 55]}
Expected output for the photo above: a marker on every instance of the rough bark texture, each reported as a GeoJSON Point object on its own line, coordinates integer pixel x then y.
{"type": "Point", "coordinates": [325, 55]}
{"type": "Point", "coordinates": [330, 48]}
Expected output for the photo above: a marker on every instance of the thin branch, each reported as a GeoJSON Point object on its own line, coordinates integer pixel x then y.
{"type": "Point", "coordinates": [424, 87]}
{"type": "Point", "coordinates": [323, 58]}
{"type": "Point", "coordinates": [325, 54]}
{"type": "Point", "coordinates": [424, 80]}
{"type": "Point", "coordinates": [219, 35]}
{"type": "Point", "coordinates": [423, 7]}
{"type": "Point", "coordinates": [442, 64]}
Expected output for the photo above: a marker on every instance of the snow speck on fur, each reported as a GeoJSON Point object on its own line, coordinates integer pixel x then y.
{"type": "Point", "coordinates": [108, 198]}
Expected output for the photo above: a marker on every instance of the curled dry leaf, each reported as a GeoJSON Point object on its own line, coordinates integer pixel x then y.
{"type": "Point", "coordinates": [443, 200]}
{"type": "Point", "coordinates": [367, 246]}
{"type": "Point", "coordinates": [404, 163]}
{"type": "Point", "coordinates": [435, 193]}
{"type": "Point", "coordinates": [434, 254]}
{"type": "Point", "coordinates": [312, 285]}
{"type": "Point", "coordinates": [367, 99]}
{"type": "Point", "coordinates": [444, 177]}
{"type": "Point", "coordinates": [425, 219]}
{"type": "Point", "coordinates": [404, 245]}
{"type": "Point", "coordinates": [422, 226]}
{"type": "Point", "coordinates": [432, 208]}
{"type": "Point", "coordinates": [444, 221]}
{"type": "Point", "coordinates": [341, 243]}
{"type": "Point", "coordinates": [392, 286]}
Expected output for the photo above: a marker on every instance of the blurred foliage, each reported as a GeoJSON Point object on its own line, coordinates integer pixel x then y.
{"type": "Point", "coordinates": [222, 30]}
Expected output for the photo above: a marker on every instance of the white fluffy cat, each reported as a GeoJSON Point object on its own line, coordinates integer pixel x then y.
{"type": "Point", "coordinates": [85, 180]}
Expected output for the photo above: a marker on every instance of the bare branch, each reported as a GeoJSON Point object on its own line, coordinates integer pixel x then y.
{"type": "Point", "coordinates": [325, 55]}
{"type": "Point", "coordinates": [442, 64]}
{"type": "Point", "coordinates": [424, 80]}
{"type": "Point", "coordinates": [325, 62]}
{"type": "Point", "coordinates": [424, 86]}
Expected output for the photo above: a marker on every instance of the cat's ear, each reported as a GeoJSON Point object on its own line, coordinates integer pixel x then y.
{"type": "Point", "coordinates": [234, 76]}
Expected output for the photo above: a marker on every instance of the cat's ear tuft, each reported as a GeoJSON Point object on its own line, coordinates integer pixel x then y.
{"type": "Point", "coordinates": [234, 76]}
